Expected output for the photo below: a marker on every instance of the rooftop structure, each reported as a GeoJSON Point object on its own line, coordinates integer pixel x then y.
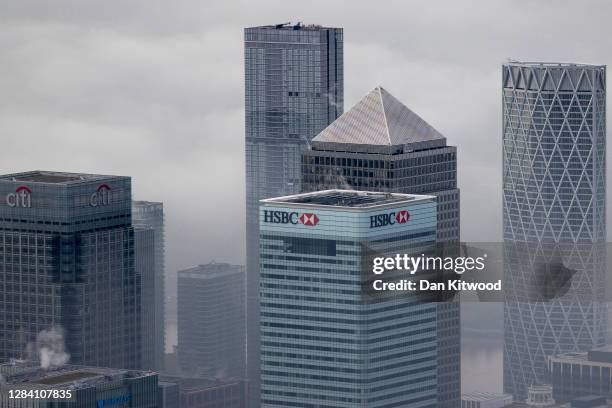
{"type": "Point", "coordinates": [485, 400]}
{"type": "Point", "coordinates": [30, 375]}
{"type": "Point", "coordinates": [52, 177]}
{"type": "Point", "coordinates": [293, 26]}
{"type": "Point", "coordinates": [206, 392]}
{"type": "Point", "coordinates": [553, 64]}
{"type": "Point", "coordinates": [346, 199]}
{"type": "Point", "coordinates": [379, 123]}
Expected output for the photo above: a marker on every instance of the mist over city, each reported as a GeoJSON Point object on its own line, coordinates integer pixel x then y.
{"type": "Point", "coordinates": [159, 92]}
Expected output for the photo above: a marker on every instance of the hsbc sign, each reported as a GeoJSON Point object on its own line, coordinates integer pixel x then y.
{"type": "Point", "coordinates": [391, 218]}
{"type": "Point", "coordinates": [285, 217]}
{"type": "Point", "coordinates": [22, 197]}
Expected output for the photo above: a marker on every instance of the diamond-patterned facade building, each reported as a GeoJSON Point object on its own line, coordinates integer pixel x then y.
{"type": "Point", "coordinates": [554, 138]}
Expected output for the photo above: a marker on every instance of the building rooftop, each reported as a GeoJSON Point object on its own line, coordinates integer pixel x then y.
{"type": "Point", "coordinates": [30, 374]}
{"type": "Point", "coordinates": [596, 356]}
{"type": "Point", "coordinates": [211, 270]}
{"type": "Point", "coordinates": [345, 199]}
{"type": "Point", "coordinates": [379, 120]}
{"type": "Point", "coordinates": [485, 396]}
{"type": "Point", "coordinates": [191, 384]}
{"type": "Point", "coordinates": [52, 177]}
{"type": "Point", "coordinates": [552, 64]}
{"type": "Point", "coordinates": [291, 26]}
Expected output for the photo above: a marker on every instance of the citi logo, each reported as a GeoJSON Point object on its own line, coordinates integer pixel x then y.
{"type": "Point", "coordinates": [284, 217]}
{"type": "Point", "coordinates": [101, 196]}
{"type": "Point", "coordinates": [392, 218]}
{"type": "Point", "coordinates": [22, 198]}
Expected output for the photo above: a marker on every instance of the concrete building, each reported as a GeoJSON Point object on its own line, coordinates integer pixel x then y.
{"type": "Point", "coordinates": [326, 339]}
{"type": "Point", "coordinates": [381, 145]}
{"type": "Point", "coordinates": [211, 321]}
{"type": "Point", "coordinates": [554, 222]}
{"type": "Point", "coordinates": [67, 267]}
{"type": "Point", "coordinates": [294, 88]}
{"type": "Point", "coordinates": [148, 215]}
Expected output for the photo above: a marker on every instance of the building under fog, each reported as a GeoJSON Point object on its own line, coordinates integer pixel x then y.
{"type": "Point", "coordinates": [148, 221]}
{"type": "Point", "coordinates": [67, 265]}
{"type": "Point", "coordinates": [554, 203]}
{"type": "Point", "coordinates": [294, 88]}
{"type": "Point", "coordinates": [89, 387]}
{"type": "Point", "coordinates": [211, 321]}
{"type": "Point", "coordinates": [381, 145]}
{"type": "Point", "coordinates": [326, 339]}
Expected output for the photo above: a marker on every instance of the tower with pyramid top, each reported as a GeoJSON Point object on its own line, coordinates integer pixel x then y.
{"type": "Point", "coordinates": [382, 145]}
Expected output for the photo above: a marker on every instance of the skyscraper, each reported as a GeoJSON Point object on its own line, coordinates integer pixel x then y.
{"type": "Point", "coordinates": [293, 90]}
{"type": "Point", "coordinates": [381, 145]}
{"type": "Point", "coordinates": [67, 261]}
{"type": "Point", "coordinates": [144, 262]}
{"type": "Point", "coordinates": [325, 339]}
{"type": "Point", "coordinates": [554, 183]}
{"type": "Point", "coordinates": [211, 321]}
{"type": "Point", "coordinates": [148, 215]}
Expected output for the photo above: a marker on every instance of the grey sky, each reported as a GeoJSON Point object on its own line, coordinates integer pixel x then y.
{"type": "Point", "coordinates": [155, 90]}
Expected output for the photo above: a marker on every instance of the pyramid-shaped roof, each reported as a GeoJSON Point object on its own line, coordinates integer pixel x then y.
{"type": "Point", "coordinates": [379, 119]}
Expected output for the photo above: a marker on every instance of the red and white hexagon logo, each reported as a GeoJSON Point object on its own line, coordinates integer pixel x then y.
{"type": "Point", "coordinates": [402, 217]}
{"type": "Point", "coordinates": [309, 219]}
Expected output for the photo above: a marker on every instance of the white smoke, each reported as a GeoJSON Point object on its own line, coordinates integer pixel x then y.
{"type": "Point", "coordinates": [49, 349]}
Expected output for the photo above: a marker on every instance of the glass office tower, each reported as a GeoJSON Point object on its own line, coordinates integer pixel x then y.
{"type": "Point", "coordinates": [147, 215]}
{"type": "Point", "coordinates": [211, 321]}
{"type": "Point", "coordinates": [381, 145]}
{"type": "Point", "coordinates": [554, 223]}
{"type": "Point", "coordinates": [326, 341]}
{"type": "Point", "coordinates": [293, 90]}
{"type": "Point", "coordinates": [67, 261]}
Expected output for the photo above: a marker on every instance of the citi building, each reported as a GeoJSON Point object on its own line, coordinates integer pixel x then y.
{"type": "Point", "coordinates": [326, 339]}
{"type": "Point", "coordinates": [67, 263]}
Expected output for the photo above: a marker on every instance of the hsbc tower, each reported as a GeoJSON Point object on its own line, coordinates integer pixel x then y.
{"type": "Point", "coordinates": [67, 268]}
{"type": "Point", "coordinates": [325, 339]}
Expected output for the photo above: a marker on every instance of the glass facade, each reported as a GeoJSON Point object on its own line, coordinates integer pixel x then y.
{"type": "Point", "coordinates": [294, 88]}
{"type": "Point", "coordinates": [90, 386]}
{"type": "Point", "coordinates": [150, 216]}
{"type": "Point", "coordinates": [352, 157]}
{"type": "Point", "coordinates": [324, 342]}
{"type": "Point", "coordinates": [554, 137]}
{"type": "Point", "coordinates": [67, 260]}
{"type": "Point", "coordinates": [211, 321]}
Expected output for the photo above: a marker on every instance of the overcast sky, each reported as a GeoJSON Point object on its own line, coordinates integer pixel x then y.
{"type": "Point", "coordinates": [154, 90]}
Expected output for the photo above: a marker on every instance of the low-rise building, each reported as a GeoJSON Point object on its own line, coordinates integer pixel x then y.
{"type": "Point", "coordinates": [27, 385]}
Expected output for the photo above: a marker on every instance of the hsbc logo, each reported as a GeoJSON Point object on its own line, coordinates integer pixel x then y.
{"type": "Point", "coordinates": [101, 196]}
{"type": "Point", "coordinates": [22, 198]}
{"type": "Point", "coordinates": [402, 217]}
{"type": "Point", "coordinates": [392, 218]}
{"type": "Point", "coordinates": [309, 219]}
{"type": "Point", "coordinates": [284, 217]}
